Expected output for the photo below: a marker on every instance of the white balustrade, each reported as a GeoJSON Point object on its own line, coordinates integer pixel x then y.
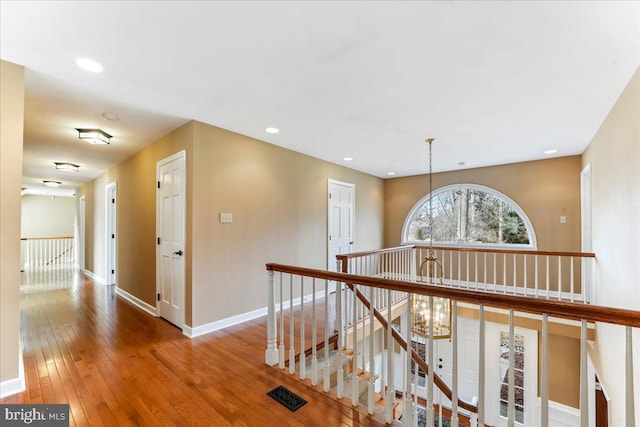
{"type": "Point", "coordinates": [46, 252]}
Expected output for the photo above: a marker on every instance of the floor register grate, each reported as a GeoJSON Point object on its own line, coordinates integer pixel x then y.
{"type": "Point", "coordinates": [287, 398]}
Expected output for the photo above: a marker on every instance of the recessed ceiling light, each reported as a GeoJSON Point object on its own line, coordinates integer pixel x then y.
{"type": "Point", "coordinates": [50, 183]}
{"type": "Point", "coordinates": [391, 173]}
{"type": "Point", "coordinates": [550, 151]}
{"type": "Point", "coordinates": [348, 159]}
{"type": "Point", "coordinates": [67, 167]}
{"type": "Point", "coordinates": [89, 65]}
{"type": "Point", "coordinates": [272, 130]}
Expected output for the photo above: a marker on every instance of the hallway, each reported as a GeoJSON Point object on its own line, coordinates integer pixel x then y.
{"type": "Point", "coordinates": [117, 366]}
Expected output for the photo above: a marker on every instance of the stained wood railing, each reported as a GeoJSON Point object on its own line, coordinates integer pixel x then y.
{"type": "Point", "coordinates": [366, 316]}
{"type": "Point", "coordinates": [46, 251]}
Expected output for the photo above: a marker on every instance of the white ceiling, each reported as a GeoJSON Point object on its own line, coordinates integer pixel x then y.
{"type": "Point", "coordinates": [494, 82]}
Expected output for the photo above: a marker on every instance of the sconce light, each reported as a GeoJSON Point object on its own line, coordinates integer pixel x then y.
{"type": "Point", "coordinates": [67, 167]}
{"type": "Point", "coordinates": [94, 136]}
{"type": "Point", "coordinates": [50, 183]}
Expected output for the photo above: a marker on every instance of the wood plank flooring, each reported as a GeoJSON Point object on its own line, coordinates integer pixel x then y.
{"type": "Point", "coordinates": [118, 366]}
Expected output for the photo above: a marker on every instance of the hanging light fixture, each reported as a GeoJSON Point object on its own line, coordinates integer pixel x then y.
{"type": "Point", "coordinates": [94, 136]}
{"type": "Point", "coordinates": [51, 183]}
{"type": "Point", "coordinates": [431, 272]}
{"type": "Point", "coordinates": [67, 167]}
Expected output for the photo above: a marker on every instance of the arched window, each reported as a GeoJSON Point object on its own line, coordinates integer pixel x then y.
{"type": "Point", "coordinates": [470, 215]}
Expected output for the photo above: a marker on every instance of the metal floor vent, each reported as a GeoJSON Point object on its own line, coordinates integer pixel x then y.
{"type": "Point", "coordinates": [287, 398]}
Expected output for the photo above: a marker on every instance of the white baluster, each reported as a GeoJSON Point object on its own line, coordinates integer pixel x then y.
{"type": "Point", "coordinates": [476, 269]}
{"type": "Point", "coordinates": [515, 273]}
{"type": "Point", "coordinates": [281, 349]}
{"type": "Point", "coordinates": [271, 353]}
{"type": "Point", "coordinates": [391, 389]}
{"type": "Point", "coordinates": [339, 327]}
{"type": "Point", "coordinates": [485, 270]}
{"type": "Point", "coordinates": [504, 273]}
{"type": "Point", "coordinates": [547, 273]}
{"type": "Point", "coordinates": [481, 363]}
{"type": "Point", "coordinates": [584, 380]}
{"type": "Point", "coordinates": [559, 278]}
{"type": "Point", "coordinates": [629, 410]}
{"type": "Point", "coordinates": [512, 397]}
{"type": "Point", "coordinates": [430, 414]}
{"type": "Point", "coordinates": [407, 412]}
{"type": "Point", "coordinates": [354, 358]}
{"type": "Point", "coordinates": [454, 373]}
{"type": "Point", "coordinates": [372, 366]}
{"type": "Point", "coordinates": [302, 360]}
{"type": "Point", "coordinates": [314, 344]}
{"type": "Point", "coordinates": [327, 364]}
{"type": "Point", "coordinates": [544, 380]}
{"type": "Point", "coordinates": [535, 274]}
{"type": "Point", "coordinates": [571, 279]}
{"type": "Point", "coordinates": [525, 274]}
{"type": "Point", "coordinates": [292, 337]}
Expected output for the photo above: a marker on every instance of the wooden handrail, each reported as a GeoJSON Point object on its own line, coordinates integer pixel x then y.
{"type": "Point", "coordinates": [344, 257]}
{"type": "Point", "coordinates": [414, 355]}
{"type": "Point", "coordinates": [509, 251]}
{"type": "Point", "coordinates": [46, 238]}
{"type": "Point", "coordinates": [554, 308]}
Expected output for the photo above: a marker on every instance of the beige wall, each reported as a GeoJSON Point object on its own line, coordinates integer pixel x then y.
{"type": "Point", "coordinates": [135, 179]}
{"type": "Point", "coordinates": [279, 203]}
{"type": "Point", "coordinates": [43, 216]}
{"type": "Point", "coordinates": [614, 156]}
{"type": "Point", "coordinates": [544, 189]}
{"type": "Point", "coordinates": [11, 135]}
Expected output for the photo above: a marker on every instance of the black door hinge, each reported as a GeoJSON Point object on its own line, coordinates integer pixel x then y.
{"type": "Point", "coordinates": [113, 272]}
{"type": "Point", "coordinates": [158, 184]}
{"type": "Point", "coordinates": [113, 200]}
{"type": "Point", "coordinates": [113, 236]}
{"type": "Point", "coordinates": [158, 297]}
{"type": "Point", "coordinates": [158, 240]}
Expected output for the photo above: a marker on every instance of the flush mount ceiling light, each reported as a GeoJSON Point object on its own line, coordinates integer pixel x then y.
{"type": "Point", "coordinates": [67, 167]}
{"type": "Point", "coordinates": [391, 173]}
{"type": "Point", "coordinates": [552, 151]}
{"type": "Point", "coordinates": [348, 159]}
{"type": "Point", "coordinates": [89, 65]}
{"type": "Point", "coordinates": [94, 136]}
{"type": "Point", "coordinates": [272, 130]}
{"type": "Point", "coordinates": [50, 183]}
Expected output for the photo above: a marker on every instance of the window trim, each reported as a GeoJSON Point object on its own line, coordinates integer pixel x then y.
{"type": "Point", "coordinates": [533, 243]}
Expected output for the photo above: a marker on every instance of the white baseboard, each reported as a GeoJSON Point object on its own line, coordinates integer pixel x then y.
{"type": "Point", "coordinates": [136, 302]}
{"type": "Point", "coordinates": [561, 415]}
{"type": "Point", "coordinates": [16, 385]}
{"type": "Point", "coordinates": [240, 318]}
{"type": "Point", "coordinates": [99, 280]}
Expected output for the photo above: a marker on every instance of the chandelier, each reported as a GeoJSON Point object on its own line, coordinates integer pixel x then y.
{"type": "Point", "coordinates": [423, 307]}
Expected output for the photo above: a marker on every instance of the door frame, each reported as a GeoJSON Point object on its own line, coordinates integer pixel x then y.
{"type": "Point", "coordinates": [329, 220]}
{"type": "Point", "coordinates": [111, 245]}
{"type": "Point", "coordinates": [179, 155]}
{"type": "Point", "coordinates": [586, 240]}
{"type": "Point", "coordinates": [82, 224]}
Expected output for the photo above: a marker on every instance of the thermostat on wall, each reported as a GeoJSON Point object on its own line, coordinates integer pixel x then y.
{"type": "Point", "coordinates": [226, 217]}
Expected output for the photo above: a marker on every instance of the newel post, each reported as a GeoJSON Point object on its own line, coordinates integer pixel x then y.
{"type": "Point", "coordinates": [271, 353]}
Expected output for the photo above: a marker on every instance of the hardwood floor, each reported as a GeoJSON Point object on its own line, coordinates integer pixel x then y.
{"type": "Point", "coordinates": [118, 366]}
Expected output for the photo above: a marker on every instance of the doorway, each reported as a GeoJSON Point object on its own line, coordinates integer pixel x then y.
{"type": "Point", "coordinates": [341, 218]}
{"type": "Point", "coordinates": [170, 229]}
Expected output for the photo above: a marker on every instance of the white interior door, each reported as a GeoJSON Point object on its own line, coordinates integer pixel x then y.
{"type": "Point", "coordinates": [111, 236]}
{"type": "Point", "coordinates": [341, 220]}
{"type": "Point", "coordinates": [496, 371]}
{"type": "Point", "coordinates": [171, 238]}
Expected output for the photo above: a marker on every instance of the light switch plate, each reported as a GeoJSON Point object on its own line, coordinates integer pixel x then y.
{"type": "Point", "coordinates": [563, 219]}
{"type": "Point", "coordinates": [226, 217]}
